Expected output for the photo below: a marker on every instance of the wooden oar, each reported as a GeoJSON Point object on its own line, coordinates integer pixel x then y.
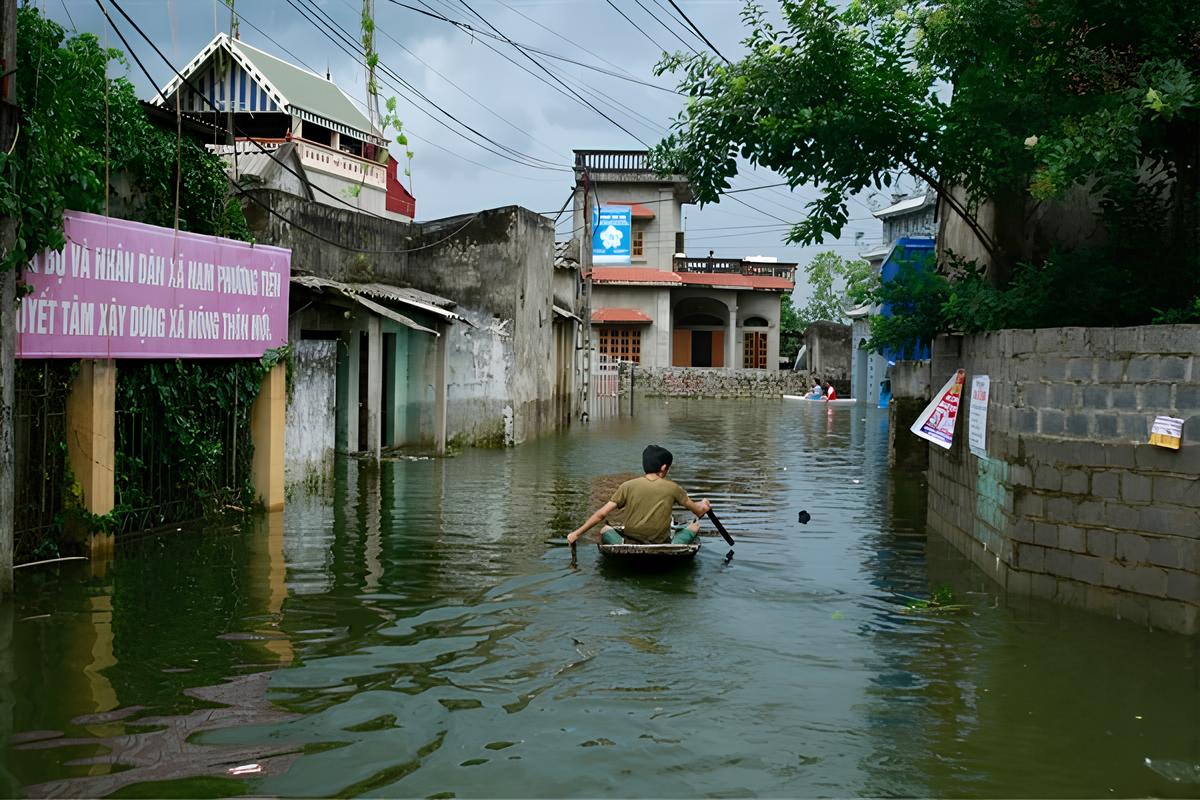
{"type": "Point", "coordinates": [720, 528]}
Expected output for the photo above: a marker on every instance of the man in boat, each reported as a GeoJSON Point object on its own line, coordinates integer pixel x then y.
{"type": "Point", "coordinates": [647, 502]}
{"type": "Point", "coordinates": [830, 392]}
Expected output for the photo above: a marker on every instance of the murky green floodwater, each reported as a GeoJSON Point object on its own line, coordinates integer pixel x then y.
{"type": "Point", "coordinates": [412, 635]}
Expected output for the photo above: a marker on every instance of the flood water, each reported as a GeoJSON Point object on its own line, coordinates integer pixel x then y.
{"type": "Point", "coordinates": [412, 634]}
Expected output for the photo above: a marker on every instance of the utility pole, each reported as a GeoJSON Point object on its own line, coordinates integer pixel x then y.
{"type": "Point", "coordinates": [585, 264]}
{"type": "Point", "coordinates": [9, 121]}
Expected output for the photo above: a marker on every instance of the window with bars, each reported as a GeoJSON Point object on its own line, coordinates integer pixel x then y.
{"type": "Point", "coordinates": [754, 350]}
{"type": "Point", "coordinates": [621, 343]}
{"type": "Point", "coordinates": [638, 244]}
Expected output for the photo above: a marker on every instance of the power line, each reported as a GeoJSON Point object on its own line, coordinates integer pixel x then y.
{"type": "Point", "coordinates": [477, 101]}
{"type": "Point", "coordinates": [239, 189]}
{"type": "Point", "coordinates": [350, 48]}
{"type": "Point", "coordinates": [636, 26]}
{"type": "Point", "coordinates": [548, 72]}
{"type": "Point", "coordinates": [699, 32]}
{"type": "Point", "coordinates": [668, 29]}
{"type": "Point", "coordinates": [526, 47]}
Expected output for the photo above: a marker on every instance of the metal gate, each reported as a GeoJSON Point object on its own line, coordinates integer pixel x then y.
{"type": "Point", "coordinates": [606, 388]}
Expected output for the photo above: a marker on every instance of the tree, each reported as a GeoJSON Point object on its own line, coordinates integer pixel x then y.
{"type": "Point", "coordinates": [1047, 94]}
{"type": "Point", "coordinates": [61, 156]}
{"type": "Point", "coordinates": [824, 272]}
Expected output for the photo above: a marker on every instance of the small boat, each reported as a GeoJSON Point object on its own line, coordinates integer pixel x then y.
{"type": "Point", "coordinates": [649, 554]}
{"type": "Point", "coordinates": [818, 401]}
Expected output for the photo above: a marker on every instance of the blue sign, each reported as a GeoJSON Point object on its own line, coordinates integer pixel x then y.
{"type": "Point", "coordinates": [611, 234]}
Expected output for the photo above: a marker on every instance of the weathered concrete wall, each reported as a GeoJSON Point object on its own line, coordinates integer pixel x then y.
{"type": "Point", "coordinates": [910, 394]}
{"type": "Point", "coordinates": [829, 353]}
{"type": "Point", "coordinates": [309, 431]}
{"type": "Point", "coordinates": [497, 265]}
{"type": "Point", "coordinates": [1071, 503]}
{"type": "Point", "coordinates": [717, 382]}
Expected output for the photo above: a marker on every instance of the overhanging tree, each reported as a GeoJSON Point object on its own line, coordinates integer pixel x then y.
{"type": "Point", "coordinates": [1047, 94]}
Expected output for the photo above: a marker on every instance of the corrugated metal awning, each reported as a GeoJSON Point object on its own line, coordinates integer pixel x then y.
{"type": "Point", "coordinates": [413, 298]}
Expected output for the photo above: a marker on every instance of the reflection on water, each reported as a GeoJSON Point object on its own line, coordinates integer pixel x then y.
{"type": "Point", "coordinates": [411, 634]}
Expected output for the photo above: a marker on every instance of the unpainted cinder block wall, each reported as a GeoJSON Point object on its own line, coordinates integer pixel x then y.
{"type": "Point", "coordinates": [1071, 503]}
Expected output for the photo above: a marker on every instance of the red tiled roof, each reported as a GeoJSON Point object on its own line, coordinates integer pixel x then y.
{"type": "Point", "coordinates": [661, 277]}
{"type": "Point", "coordinates": [636, 210]}
{"type": "Point", "coordinates": [627, 315]}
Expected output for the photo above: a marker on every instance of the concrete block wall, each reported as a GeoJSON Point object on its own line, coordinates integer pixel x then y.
{"type": "Point", "coordinates": [1071, 503]}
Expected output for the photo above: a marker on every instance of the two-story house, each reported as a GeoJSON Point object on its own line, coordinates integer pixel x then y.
{"type": "Point", "coordinates": [666, 308]}
{"type": "Point", "coordinates": [334, 154]}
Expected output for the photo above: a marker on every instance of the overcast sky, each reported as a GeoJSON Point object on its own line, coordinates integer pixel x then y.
{"type": "Point", "coordinates": [466, 76]}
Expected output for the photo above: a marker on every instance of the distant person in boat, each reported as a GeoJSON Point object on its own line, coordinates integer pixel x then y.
{"type": "Point", "coordinates": [816, 393]}
{"type": "Point", "coordinates": [830, 392]}
{"type": "Point", "coordinates": [647, 502]}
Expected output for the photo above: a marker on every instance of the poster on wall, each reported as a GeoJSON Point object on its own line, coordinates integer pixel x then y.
{"type": "Point", "coordinates": [611, 234]}
{"type": "Point", "coordinates": [122, 289]}
{"type": "Point", "coordinates": [936, 422]}
{"type": "Point", "coordinates": [981, 386]}
{"type": "Point", "coordinates": [1167, 432]}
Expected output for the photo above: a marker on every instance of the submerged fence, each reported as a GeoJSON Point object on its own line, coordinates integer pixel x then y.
{"type": "Point", "coordinates": [40, 450]}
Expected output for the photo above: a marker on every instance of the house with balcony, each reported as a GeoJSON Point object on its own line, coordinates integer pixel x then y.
{"type": "Point", "coordinates": [667, 308]}
{"type": "Point", "coordinates": [293, 130]}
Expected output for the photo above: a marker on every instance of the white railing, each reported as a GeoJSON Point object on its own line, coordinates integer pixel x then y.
{"type": "Point", "coordinates": [343, 165]}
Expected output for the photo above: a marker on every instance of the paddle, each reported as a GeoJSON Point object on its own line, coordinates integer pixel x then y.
{"type": "Point", "coordinates": [720, 528]}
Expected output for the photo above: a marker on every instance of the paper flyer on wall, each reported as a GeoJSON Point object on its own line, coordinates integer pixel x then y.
{"type": "Point", "coordinates": [936, 422]}
{"type": "Point", "coordinates": [1167, 432]}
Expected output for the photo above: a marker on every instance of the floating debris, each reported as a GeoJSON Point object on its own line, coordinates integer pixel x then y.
{"type": "Point", "coordinates": [246, 769]}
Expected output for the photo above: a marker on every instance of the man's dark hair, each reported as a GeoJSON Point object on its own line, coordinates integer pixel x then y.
{"type": "Point", "coordinates": [655, 458]}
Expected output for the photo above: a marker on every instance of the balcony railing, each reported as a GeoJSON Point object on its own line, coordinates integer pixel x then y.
{"type": "Point", "coordinates": [315, 156]}
{"type": "Point", "coordinates": [735, 266]}
{"type": "Point", "coordinates": [613, 160]}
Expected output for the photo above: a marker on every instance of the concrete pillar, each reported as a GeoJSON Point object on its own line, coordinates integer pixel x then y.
{"type": "Point", "coordinates": [400, 389]}
{"type": "Point", "coordinates": [441, 389]}
{"type": "Point", "coordinates": [267, 416]}
{"type": "Point", "coordinates": [732, 356]}
{"type": "Point", "coordinates": [374, 385]}
{"type": "Point", "coordinates": [354, 359]}
{"type": "Point", "coordinates": [91, 440]}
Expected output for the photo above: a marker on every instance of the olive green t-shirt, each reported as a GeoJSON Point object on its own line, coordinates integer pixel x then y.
{"type": "Point", "coordinates": [647, 504]}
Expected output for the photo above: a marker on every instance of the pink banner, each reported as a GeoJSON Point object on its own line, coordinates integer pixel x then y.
{"type": "Point", "coordinates": [123, 289]}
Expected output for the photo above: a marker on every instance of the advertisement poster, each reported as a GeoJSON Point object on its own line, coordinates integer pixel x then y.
{"type": "Point", "coordinates": [977, 420]}
{"type": "Point", "coordinates": [936, 422]}
{"type": "Point", "coordinates": [122, 289]}
{"type": "Point", "coordinates": [611, 235]}
{"type": "Point", "coordinates": [1167, 432]}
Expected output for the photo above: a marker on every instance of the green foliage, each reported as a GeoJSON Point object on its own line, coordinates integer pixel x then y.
{"type": "Point", "coordinates": [58, 162]}
{"type": "Point", "coordinates": [202, 415]}
{"type": "Point", "coordinates": [790, 329]}
{"type": "Point", "coordinates": [916, 298]}
{"type": "Point", "coordinates": [1046, 96]}
{"type": "Point", "coordinates": [826, 302]}
{"type": "Point", "coordinates": [1179, 316]}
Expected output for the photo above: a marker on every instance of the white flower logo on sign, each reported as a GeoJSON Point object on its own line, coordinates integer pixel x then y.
{"type": "Point", "coordinates": [611, 237]}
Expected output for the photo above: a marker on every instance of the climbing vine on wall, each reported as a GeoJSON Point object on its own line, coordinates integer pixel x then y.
{"type": "Point", "coordinates": [58, 160]}
{"type": "Point", "coordinates": [183, 438]}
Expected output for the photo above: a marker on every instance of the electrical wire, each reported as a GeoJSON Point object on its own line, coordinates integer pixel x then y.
{"type": "Point", "coordinates": [699, 32]}
{"type": "Point", "coordinates": [240, 190]}
{"type": "Point", "coordinates": [665, 27]}
{"type": "Point", "coordinates": [542, 67]}
{"type": "Point", "coordinates": [637, 27]}
{"type": "Point", "coordinates": [342, 39]}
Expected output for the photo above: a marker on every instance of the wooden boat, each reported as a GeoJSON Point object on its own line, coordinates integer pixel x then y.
{"type": "Point", "coordinates": [649, 554]}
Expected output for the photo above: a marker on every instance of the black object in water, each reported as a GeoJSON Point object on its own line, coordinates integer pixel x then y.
{"type": "Point", "coordinates": [804, 517]}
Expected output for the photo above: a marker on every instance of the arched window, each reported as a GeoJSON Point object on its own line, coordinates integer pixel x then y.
{"type": "Point", "coordinates": [754, 322]}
